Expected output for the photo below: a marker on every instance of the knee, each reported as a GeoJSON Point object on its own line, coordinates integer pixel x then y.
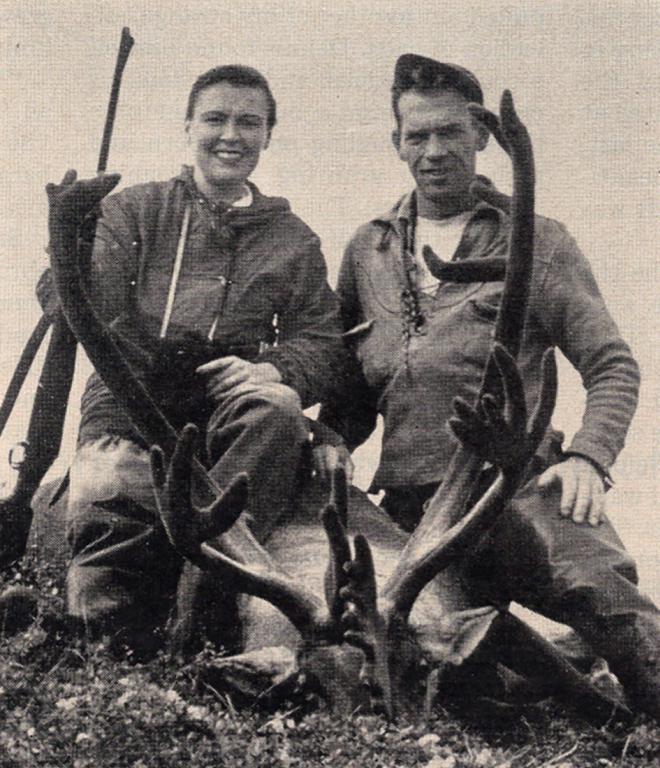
{"type": "Point", "coordinates": [271, 405]}
{"type": "Point", "coordinates": [281, 411]}
{"type": "Point", "coordinates": [281, 398]}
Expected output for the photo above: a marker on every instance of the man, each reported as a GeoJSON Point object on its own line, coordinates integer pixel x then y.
{"type": "Point", "coordinates": [219, 297]}
{"type": "Point", "coordinates": [553, 550]}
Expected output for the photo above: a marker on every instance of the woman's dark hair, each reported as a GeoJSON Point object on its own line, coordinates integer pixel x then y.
{"type": "Point", "coordinates": [234, 74]}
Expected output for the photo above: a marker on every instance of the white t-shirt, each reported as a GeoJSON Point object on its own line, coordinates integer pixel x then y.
{"type": "Point", "coordinates": [443, 236]}
{"type": "Point", "coordinates": [245, 200]}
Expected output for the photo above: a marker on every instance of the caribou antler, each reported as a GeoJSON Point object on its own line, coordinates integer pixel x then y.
{"type": "Point", "coordinates": [188, 527]}
{"type": "Point", "coordinates": [69, 203]}
{"type": "Point", "coordinates": [498, 434]}
{"type": "Point", "coordinates": [500, 410]}
{"type": "Point", "coordinates": [494, 429]}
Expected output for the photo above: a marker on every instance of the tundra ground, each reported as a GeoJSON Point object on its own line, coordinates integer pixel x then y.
{"type": "Point", "coordinates": [62, 706]}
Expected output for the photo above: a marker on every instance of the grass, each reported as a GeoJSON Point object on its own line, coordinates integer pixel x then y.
{"type": "Point", "coordinates": [69, 706]}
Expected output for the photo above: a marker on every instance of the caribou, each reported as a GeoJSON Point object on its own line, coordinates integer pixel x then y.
{"type": "Point", "coordinates": [347, 602]}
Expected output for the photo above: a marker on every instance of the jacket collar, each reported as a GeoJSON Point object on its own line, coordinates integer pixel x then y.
{"type": "Point", "coordinates": [262, 210]}
{"type": "Point", "coordinates": [404, 207]}
{"type": "Point", "coordinates": [399, 218]}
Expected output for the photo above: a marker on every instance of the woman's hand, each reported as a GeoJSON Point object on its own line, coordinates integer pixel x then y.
{"type": "Point", "coordinates": [226, 373]}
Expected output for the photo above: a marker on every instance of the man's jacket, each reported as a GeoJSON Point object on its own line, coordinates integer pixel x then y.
{"type": "Point", "coordinates": [411, 377]}
{"type": "Point", "coordinates": [252, 283]}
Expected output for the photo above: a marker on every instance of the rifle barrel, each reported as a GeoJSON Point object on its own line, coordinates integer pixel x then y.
{"type": "Point", "coordinates": [125, 45]}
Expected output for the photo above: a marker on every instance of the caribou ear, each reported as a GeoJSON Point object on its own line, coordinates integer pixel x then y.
{"type": "Point", "coordinates": [460, 635]}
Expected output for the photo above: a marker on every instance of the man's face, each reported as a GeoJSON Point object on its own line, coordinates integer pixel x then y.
{"type": "Point", "coordinates": [227, 132]}
{"type": "Point", "coordinates": [438, 139]}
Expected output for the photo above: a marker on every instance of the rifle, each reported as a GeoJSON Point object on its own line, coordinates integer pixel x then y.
{"type": "Point", "coordinates": [44, 436]}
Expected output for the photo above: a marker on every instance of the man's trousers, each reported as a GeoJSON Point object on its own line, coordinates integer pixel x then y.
{"type": "Point", "coordinates": [574, 574]}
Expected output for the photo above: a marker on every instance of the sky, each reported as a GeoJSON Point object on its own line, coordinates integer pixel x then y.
{"type": "Point", "coordinates": [584, 76]}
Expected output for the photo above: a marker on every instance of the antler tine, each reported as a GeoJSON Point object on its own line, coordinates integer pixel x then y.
{"type": "Point", "coordinates": [340, 553]}
{"type": "Point", "coordinates": [339, 494]}
{"type": "Point", "coordinates": [178, 487]}
{"type": "Point", "coordinates": [490, 195]}
{"type": "Point", "coordinates": [187, 526]}
{"type": "Point", "coordinates": [486, 270]}
{"type": "Point", "coordinates": [495, 429]}
{"type": "Point", "coordinates": [511, 318]}
{"type": "Point", "coordinates": [499, 432]}
{"type": "Point", "coordinates": [511, 123]}
{"type": "Point", "coordinates": [492, 122]}
{"type": "Point", "coordinates": [225, 508]}
{"type": "Point", "coordinates": [515, 407]}
{"type": "Point", "coordinates": [335, 520]}
{"type": "Point", "coordinates": [365, 628]}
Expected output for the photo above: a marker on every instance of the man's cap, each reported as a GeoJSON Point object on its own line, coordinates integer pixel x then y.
{"type": "Point", "coordinates": [413, 71]}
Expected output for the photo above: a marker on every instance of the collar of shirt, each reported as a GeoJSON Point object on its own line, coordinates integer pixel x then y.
{"type": "Point", "coordinates": [245, 200]}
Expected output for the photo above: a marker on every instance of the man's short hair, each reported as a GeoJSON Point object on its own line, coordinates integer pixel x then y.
{"type": "Point", "coordinates": [237, 75]}
{"type": "Point", "coordinates": [419, 73]}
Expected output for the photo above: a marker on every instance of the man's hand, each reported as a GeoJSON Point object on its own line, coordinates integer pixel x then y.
{"type": "Point", "coordinates": [227, 373]}
{"type": "Point", "coordinates": [582, 489]}
{"type": "Point", "coordinates": [327, 458]}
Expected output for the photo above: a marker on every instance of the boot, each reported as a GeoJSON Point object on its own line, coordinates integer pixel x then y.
{"type": "Point", "coordinates": [579, 576]}
{"type": "Point", "coordinates": [634, 656]}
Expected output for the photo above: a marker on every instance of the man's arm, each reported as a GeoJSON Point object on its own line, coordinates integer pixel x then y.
{"type": "Point", "coordinates": [577, 320]}
{"type": "Point", "coordinates": [350, 410]}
